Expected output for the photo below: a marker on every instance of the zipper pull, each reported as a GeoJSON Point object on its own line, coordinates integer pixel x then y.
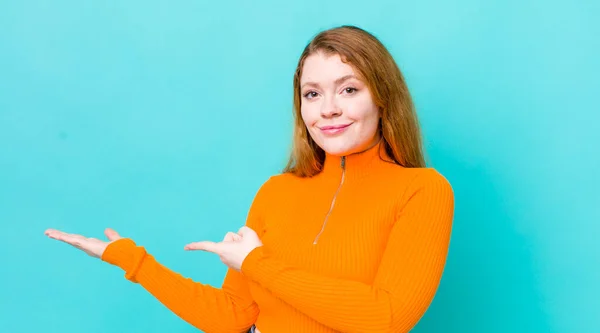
{"type": "Point", "coordinates": [343, 162]}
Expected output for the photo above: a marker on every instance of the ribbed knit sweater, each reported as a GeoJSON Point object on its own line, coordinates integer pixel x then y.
{"type": "Point", "coordinates": [360, 247]}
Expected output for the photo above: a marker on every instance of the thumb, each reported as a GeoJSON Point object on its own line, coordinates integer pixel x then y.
{"type": "Point", "coordinates": [112, 235]}
{"type": "Point", "coordinates": [247, 232]}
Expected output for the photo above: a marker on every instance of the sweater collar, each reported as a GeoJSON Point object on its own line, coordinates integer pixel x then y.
{"type": "Point", "coordinates": [356, 165]}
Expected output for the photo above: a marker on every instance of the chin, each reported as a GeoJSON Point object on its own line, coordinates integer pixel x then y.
{"type": "Point", "coordinates": [334, 149]}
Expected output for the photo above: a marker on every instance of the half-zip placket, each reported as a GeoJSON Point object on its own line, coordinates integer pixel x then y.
{"type": "Point", "coordinates": [343, 166]}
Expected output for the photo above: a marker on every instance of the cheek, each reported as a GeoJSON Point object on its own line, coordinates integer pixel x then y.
{"type": "Point", "coordinates": [310, 114]}
{"type": "Point", "coordinates": [363, 110]}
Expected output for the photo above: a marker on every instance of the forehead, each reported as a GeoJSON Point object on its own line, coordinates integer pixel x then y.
{"type": "Point", "coordinates": [320, 67]}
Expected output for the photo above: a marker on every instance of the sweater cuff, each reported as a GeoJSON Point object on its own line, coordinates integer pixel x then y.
{"type": "Point", "coordinates": [125, 254]}
{"type": "Point", "coordinates": [259, 267]}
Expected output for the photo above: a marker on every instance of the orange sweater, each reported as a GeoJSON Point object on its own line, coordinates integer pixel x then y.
{"type": "Point", "coordinates": [360, 247]}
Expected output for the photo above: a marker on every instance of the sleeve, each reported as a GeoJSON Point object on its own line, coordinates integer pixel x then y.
{"type": "Point", "coordinates": [226, 309]}
{"type": "Point", "coordinates": [406, 281]}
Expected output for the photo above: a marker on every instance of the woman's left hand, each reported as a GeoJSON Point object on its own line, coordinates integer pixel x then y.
{"type": "Point", "coordinates": [233, 249]}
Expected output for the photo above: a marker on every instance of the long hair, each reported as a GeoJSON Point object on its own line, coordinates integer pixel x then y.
{"type": "Point", "coordinates": [399, 126]}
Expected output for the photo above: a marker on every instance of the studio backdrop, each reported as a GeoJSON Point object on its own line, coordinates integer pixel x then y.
{"type": "Point", "coordinates": [161, 119]}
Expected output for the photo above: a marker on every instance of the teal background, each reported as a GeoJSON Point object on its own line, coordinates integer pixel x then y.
{"type": "Point", "coordinates": [162, 118]}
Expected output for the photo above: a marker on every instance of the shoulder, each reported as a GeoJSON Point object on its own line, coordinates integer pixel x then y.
{"type": "Point", "coordinates": [276, 183]}
{"type": "Point", "coordinates": [429, 177]}
{"type": "Point", "coordinates": [421, 192]}
{"type": "Point", "coordinates": [424, 181]}
{"type": "Point", "coordinates": [274, 186]}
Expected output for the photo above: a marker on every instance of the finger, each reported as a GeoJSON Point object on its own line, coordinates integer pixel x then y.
{"type": "Point", "coordinates": [112, 235]}
{"type": "Point", "coordinates": [75, 240]}
{"type": "Point", "coordinates": [204, 246]}
{"type": "Point", "coordinates": [231, 237]}
{"type": "Point", "coordinates": [244, 231]}
{"type": "Point", "coordinates": [56, 234]}
{"type": "Point", "coordinates": [53, 232]}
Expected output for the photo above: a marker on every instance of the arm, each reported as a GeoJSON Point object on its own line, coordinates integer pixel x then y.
{"type": "Point", "coordinates": [406, 281]}
{"type": "Point", "coordinates": [226, 309]}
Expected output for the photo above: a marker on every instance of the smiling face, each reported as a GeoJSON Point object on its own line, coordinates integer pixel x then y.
{"type": "Point", "coordinates": [336, 106]}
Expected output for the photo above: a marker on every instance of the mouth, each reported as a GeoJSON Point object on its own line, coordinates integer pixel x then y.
{"type": "Point", "coordinates": [334, 129]}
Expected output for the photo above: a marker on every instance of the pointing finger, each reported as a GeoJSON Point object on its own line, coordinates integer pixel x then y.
{"type": "Point", "coordinates": [204, 246]}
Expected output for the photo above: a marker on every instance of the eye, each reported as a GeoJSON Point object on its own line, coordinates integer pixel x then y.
{"type": "Point", "coordinates": [310, 94]}
{"type": "Point", "coordinates": [350, 90]}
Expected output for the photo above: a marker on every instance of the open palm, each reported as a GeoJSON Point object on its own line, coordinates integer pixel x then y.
{"type": "Point", "coordinates": [92, 246]}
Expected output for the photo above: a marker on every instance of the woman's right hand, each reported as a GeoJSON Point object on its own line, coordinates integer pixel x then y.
{"type": "Point", "coordinates": [92, 246]}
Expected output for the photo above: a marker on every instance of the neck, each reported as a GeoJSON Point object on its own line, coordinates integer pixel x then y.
{"type": "Point", "coordinates": [356, 165]}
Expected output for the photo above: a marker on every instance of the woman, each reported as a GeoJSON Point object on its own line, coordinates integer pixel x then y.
{"type": "Point", "coordinates": [351, 237]}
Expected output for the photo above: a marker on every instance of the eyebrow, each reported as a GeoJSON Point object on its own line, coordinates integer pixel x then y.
{"type": "Point", "coordinates": [337, 81]}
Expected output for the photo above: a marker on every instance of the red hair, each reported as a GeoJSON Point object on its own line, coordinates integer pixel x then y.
{"type": "Point", "coordinates": [401, 135]}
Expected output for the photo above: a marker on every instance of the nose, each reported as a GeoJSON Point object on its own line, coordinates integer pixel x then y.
{"type": "Point", "coordinates": [330, 109]}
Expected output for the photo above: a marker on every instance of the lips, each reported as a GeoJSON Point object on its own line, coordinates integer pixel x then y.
{"type": "Point", "coordinates": [334, 129]}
